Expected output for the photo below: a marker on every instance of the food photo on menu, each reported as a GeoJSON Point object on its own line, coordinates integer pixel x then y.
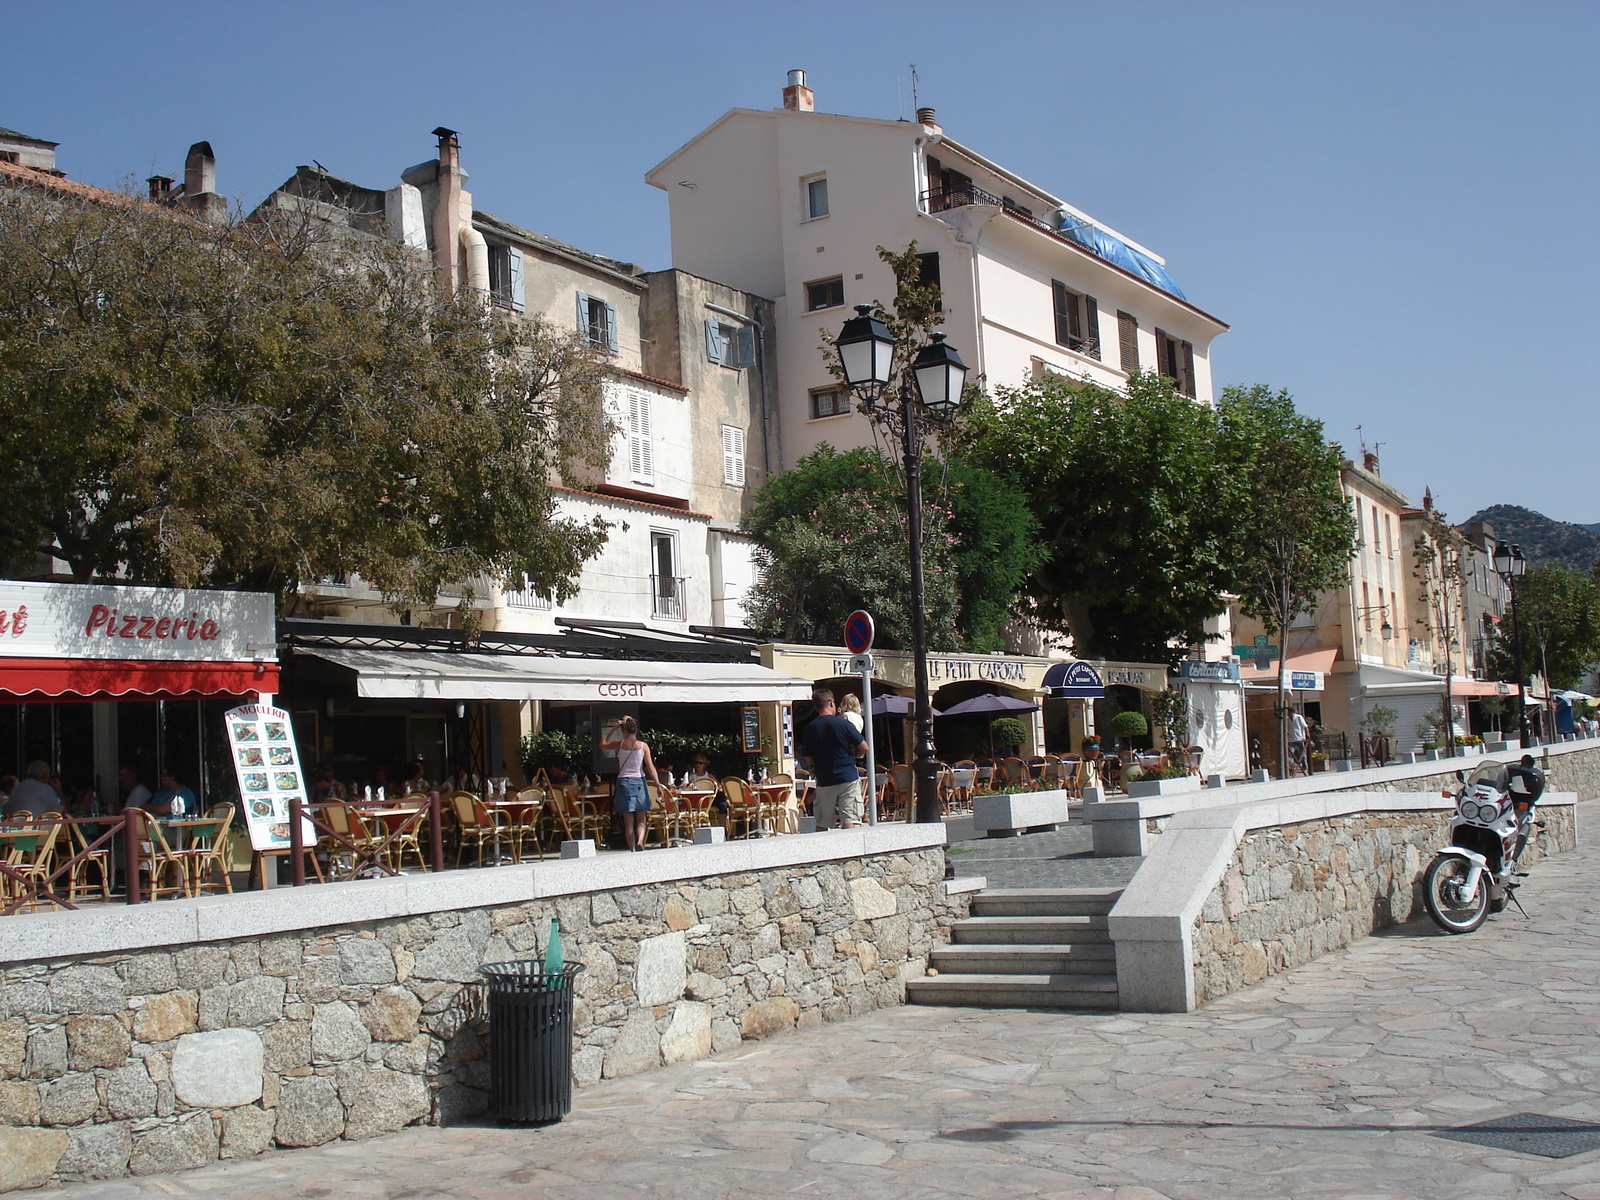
{"type": "Point", "coordinates": [280, 756]}
{"type": "Point", "coordinates": [243, 732]}
{"type": "Point", "coordinates": [250, 756]}
{"type": "Point", "coordinates": [261, 808]}
{"type": "Point", "coordinates": [255, 781]}
{"type": "Point", "coordinates": [288, 781]}
{"type": "Point", "coordinates": [277, 731]}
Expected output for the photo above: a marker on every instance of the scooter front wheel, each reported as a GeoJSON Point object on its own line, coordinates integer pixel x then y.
{"type": "Point", "coordinates": [1444, 893]}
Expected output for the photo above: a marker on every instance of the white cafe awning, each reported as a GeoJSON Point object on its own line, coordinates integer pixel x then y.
{"type": "Point", "coordinates": [1391, 681]}
{"type": "Point", "coordinates": [436, 675]}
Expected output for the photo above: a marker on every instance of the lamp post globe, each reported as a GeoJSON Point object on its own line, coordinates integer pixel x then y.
{"type": "Point", "coordinates": [1519, 565]}
{"type": "Point", "coordinates": [866, 350]}
{"type": "Point", "coordinates": [1502, 559]}
{"type": "Point", "coordinates": [940, 376]}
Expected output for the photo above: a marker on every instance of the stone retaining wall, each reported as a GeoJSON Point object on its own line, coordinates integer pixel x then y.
{"type": "Point", "coordinates": [161, 1059]}
{"type": "Point", "coordinates": [1293, 893]}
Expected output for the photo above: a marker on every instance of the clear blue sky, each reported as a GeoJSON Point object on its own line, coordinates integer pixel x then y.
{"type": "Point", "coordinates": [1393, 205]}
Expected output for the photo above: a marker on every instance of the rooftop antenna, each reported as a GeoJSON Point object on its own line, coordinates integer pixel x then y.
{"type": "Point", "coordinates": [900, 96]}
{"type": "Point", "coordinates": [1360, 438]}
{"type": "Point", "coordinates": [914, 101]}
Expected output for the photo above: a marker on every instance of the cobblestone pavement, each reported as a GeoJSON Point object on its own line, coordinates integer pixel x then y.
{"type": "Point", "coordinates": [1063, 858]}
{"type": "Point", "coordinates": [1327, 1081]}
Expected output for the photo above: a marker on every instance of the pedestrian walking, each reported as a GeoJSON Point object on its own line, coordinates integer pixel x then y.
{"type": "Point", "coordinates": [830, 746]}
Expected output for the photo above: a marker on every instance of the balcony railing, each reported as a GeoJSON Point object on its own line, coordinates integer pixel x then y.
{"type": "Point", "coordinates": [939, 199]}
{"type": "Point", "coordinates": [667, 596]}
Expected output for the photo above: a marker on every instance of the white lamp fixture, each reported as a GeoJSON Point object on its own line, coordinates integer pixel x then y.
{"type": "Point", "coordinates": [866, 350]}
{"type": "Point", "coordinates": [940, 376]}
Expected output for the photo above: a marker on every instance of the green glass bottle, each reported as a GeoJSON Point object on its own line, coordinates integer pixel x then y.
{"type": "Point", "coordinates": [552, 949]}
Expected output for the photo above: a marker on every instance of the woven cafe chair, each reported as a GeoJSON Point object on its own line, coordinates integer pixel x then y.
{"type": "Point", "coordinates": [743, 810]}
{"type": "Point", "coordinates": [523, 818]}
{"type": "Point", "coordinates": [166, 870]}
{"type": "Point", "coordinates": [346, 820]}
{"type": "Point", "coordinates": [478, 824]}
{"type": "Point", "coordinates": [27, 848]}
{"type": "Point", "coordinates": [204, 857]}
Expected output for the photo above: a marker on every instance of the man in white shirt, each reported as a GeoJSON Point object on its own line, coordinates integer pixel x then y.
{"type": "Point", "coordinates": [134, 793]}
{"type": "Point", "coordinates": [1299, 734]}
{"type": "Point", "coordinates": [33, 795]}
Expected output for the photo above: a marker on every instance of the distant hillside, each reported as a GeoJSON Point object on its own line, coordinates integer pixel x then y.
{"type": "Point", "coordinates": [1543, 540]}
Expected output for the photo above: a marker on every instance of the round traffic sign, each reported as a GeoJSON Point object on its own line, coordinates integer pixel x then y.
{"type": "Point", "coordinates": [858, 631]}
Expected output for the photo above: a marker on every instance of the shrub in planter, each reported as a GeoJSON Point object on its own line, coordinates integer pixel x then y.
{"type": "Point", "coordinates": [1127, 725]}
{"type": "Point", "coordinates": [1008, 732]}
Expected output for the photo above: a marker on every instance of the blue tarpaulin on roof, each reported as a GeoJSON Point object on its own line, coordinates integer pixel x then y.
{"type": "Point", "coordinates": [1115, 250]}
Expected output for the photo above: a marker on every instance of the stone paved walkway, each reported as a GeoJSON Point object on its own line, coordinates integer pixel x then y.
{"type": "Point", "coordinates": [1064, 858]}
{"type": "Point", "coordinates": [1328, 1081]}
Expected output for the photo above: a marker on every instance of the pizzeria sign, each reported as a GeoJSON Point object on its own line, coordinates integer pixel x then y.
{"type": "Point", "coordinates": [93, 621]}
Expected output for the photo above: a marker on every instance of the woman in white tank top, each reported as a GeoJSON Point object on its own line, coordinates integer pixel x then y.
{"type": "Point", "coordinates": [631, 797]}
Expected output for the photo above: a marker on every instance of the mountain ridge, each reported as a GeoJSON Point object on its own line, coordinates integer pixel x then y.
{"type": "Point", "coordinates": [1543, 539]}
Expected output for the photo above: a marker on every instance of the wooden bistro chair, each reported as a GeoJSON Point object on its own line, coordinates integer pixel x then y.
{"type": "Point", "coordinates": [167, 873]}
{"type": "Point", "coordinates": [1071, 769]}
{"type": "Point", "coordinates": [986, 774]}
{"type": "Point", "coordinates": [349, 822]}
{"type": "Point", "coordinates": [743, 810]}
{"type": "Point", "coordinates": [963, 779]}
{"type": "Point", "coordinates": [664, 821]}
{"type": "Point", "coordinates": [903, 794]}
{"type": "Point", "coordinates": [1192, 756]}
{"type": "Point", "coordinates": [28, 849]}
{"type": "Point", "coordinates": [478, 824]}
{"type": "Point", "coordinates": [204, 856]}
{"type": "Point", "coordinates": [523, 820]}
{"type": "Point", "coordinates": [695, 803]}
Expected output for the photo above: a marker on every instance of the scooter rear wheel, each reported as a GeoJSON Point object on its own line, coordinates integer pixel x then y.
{"type": "Point", "coordinates": [1442, 892]}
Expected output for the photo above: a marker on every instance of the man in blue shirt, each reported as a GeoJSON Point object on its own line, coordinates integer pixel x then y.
{"type": "Point", "coordinates": [173, 798]}
{"type": "Point", "coordinates": [830, 746]}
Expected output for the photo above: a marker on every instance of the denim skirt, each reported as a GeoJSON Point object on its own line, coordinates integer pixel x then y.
{"type": "Point", "coordinates": [631, 795]}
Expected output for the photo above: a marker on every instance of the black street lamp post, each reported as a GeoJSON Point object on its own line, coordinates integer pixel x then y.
{"type": "Point", "coordinates": [1511, 566]}
{"type": "Point", "coordinates": [929, 394]}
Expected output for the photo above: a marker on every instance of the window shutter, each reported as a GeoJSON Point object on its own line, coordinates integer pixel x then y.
{"type": "Point", "coordinates": [1091, 327]}
{"type": "Point", "coordinates": [733, 455]}
{"type": "Point", "coordinates": [640, 460]}
{"type": "Point", "coordinates": [714, 352]}
{"type": "Point", "coordinates": [611, 328]}
{"type": "Point", "coordinates": [1187, 382]}
{"type": "Point", "coordinates": [935, 174]}
{"type": "Point", "coordinates": [1064, 312]}
{"type": "Point", "coordinates": [1128, 341]}
{"type": "Point", "coordinates": [1164, 362]}
{"type": "Point", "coordinates": [583, 318]}
{"type": "Point", "coordinates": [747, 347]}
{"type": "Point", "coordinates": [514, 262]}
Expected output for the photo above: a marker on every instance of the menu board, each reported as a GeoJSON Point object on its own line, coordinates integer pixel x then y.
{"type": "Point", "coordinates": [267, 763]}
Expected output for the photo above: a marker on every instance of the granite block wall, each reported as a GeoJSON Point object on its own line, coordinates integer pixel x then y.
{"type": "Point", "coordinates": [160, 1060]}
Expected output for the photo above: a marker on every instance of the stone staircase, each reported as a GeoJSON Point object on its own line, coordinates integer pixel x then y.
{"type": "Point", "coordinates": [1027, 948]}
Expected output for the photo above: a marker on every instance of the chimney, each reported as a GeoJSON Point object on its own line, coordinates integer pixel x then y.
{"type": "Point", "coordinates": [1427, 499]}
{"type": "Point", "coordinates": [199, 170]}
{"type": "Point", "coordinates": [160, 188]}
{"type": "Point", "coordinates": [925, 116]}
{"type": "Point", "coordinates": [797, 97]}
{"type": "Point", "coordinates": [1369, 460]}
{"type": "Point", "coordinates": [452, 209]}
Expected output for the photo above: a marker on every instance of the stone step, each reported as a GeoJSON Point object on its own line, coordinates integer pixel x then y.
{"type": "Point", "coordinates": [1015, 991]}
{"type": "Point", "coordinates": [1056, 930]}
{"type": "Point", "coordinates": [1043, 959]}
{"type": "Point", "coordinates": [1044, 902]}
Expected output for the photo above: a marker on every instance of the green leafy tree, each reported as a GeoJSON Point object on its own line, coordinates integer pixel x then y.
{"type": "Point", "coordinates": [262, 403]}
{"type": "Point", "coordinates": [1559, 614]}
{"type": "Point", "coordinates": [1293, 530]}
{"type": "Point", "coordinates": [831, 537]}
{"type": "Point", "coordinates": [1136, 509]}
{"type": "Point", "coordinates": [1439, 566]}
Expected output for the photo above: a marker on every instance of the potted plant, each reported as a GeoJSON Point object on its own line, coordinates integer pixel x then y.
{"type": "Point", "coordinates": [1090, 745]}
{"type": "Point", "coordinates": [1319, 760]}
{"type": "Point", "coordinates": [1128, 725]}
{"type": "Point", "coordinates": [1008, 733]}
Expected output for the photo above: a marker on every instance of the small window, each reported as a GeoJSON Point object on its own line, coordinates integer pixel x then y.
{"type": "Point", "coordinates": [1077, 320]}
{"type": "Point", "coordinates": [1128, 341]}
{"type": "Point", "coordinates": [816, 198]}
{"type": "Point", "coordinates": [825, 293]}
{"type": "Point", "coordinates": [731, 345]}
{"type": "Point", "coordinates": [1175, 360]}
{"type": "Point", "coordinates": [733, 455]}
{"type": "Point", "coordinates": [505, 277]}
{"type": "Point", "coordinates": [928, 276]}
{"type": "Point", "coordinates": [829, 402]}
{"type": "Point", "coordinates": [597, 323]}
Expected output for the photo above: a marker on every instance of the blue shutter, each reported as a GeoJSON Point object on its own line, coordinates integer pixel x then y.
{"type": "Point", "coordinates": [747, 346]}
{"type": "Point", "coordinates": [583, 316]}
{"type": "Point", "coordinates": [713, 341]}
{"type": "Point", "coordinates": [611, 328]}
{"type": "Point", "coordinates": [514, 261]}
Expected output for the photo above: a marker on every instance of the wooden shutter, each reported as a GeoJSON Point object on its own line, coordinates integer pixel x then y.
{"type": "Point", "coordinates": [715, 345]}
{"type": "Point", "coordinates": [1091, 327]}
{"type": "Point", "coordinates": [928, 276]}
{"type": "Point", "coordinates": [516, 295]}
{"type": "Point", "coordinates": [641, 464]}
{"type": "Point", "coordinates": [935, 175]}
{"type": "Point", "coordinates": [611, 328]}
{"type": "Point", "coordinates": [1128, 341]}
{"type": "Point", "coordinates": [1187, 381]}
{"type": "Point", "coordinates": [733, 455]}
{"type": "Point", "coordinates": [1164, 362]}
{"type": "Point", "coordinates": [584, 331]}
{"type": "Point", "coordinates": [1066, 313]}
{"type": "Point", "coordinates": [745, 348]}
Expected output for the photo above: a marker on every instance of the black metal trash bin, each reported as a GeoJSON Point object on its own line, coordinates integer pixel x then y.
{"type": "Point", "coordinates": [530, 1041]}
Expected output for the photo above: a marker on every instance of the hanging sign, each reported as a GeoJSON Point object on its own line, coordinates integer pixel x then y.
{"type": "Point", "coordinates": [1214, 672]}
{"type": "Point", "coordinates": [267, 764]}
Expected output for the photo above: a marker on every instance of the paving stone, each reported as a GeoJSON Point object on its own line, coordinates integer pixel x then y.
{"type": "Point", "coordinates": [28, 1157]}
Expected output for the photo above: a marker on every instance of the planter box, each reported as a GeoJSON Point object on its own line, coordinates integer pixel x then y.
{"type": "Point", "coordinates": [1008, 815]}
{"type": "Point", "coordinates": [1161, 787]}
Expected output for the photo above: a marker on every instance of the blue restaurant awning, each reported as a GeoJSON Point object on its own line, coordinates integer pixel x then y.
{"type": "Point", "coordinates": [1074, 681]}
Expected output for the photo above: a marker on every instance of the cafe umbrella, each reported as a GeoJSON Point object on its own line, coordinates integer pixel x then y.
{"type": "Point", "coordinates": [992, 704]}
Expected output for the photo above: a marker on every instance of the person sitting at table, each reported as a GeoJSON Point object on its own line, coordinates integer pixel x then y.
{"type": "Point", "coordinates": [173, 799]}
{"type": "Point", "coordinates": [631, 797]}
{"type": "Point", "coordinates": [458, 780]}
{"type": "Point", "coordinates": [134, 793]}
{"type": "Point", "coordinates": [33, 796]}
{"type": "Point", "coordinates": [326, 786]}
{"type": "Point", "coordinates": [414, 784]}
{"type": "Point", "coordinates": [699, 768]}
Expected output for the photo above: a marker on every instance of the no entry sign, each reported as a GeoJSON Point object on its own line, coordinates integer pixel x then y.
{"type": "Point", "coordinates": [858, 631]}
